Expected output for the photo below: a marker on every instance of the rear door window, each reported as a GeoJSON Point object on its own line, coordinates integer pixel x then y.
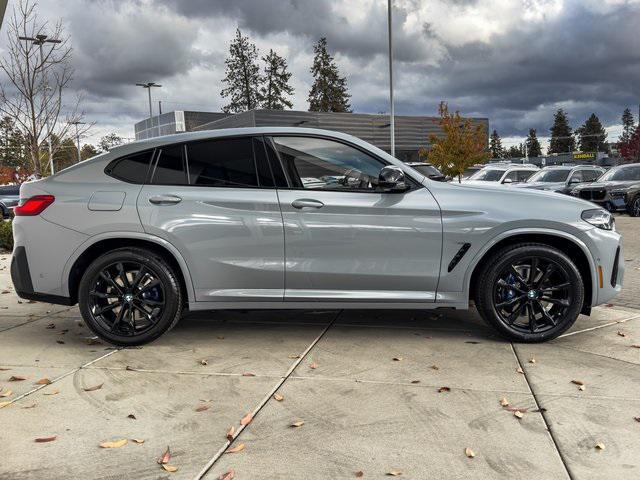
{"type": "Point", "coordinates": [170, 167]}
{"type": "Point", "coordinates": [227, 162]}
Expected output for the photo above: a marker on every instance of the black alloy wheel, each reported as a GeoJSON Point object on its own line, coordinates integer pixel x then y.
{"type": "Point", "coordinates": [530, 292]}
{"type": "Point", "coordinates": [634, 207]}
{"type": "Point", "coordinates": [130, 297]}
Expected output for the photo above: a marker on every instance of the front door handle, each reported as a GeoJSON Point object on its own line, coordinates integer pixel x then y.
{"type": "Point", "coordinates": [165, 200]}
{"type": "Point", "coordinates": [306, 203]}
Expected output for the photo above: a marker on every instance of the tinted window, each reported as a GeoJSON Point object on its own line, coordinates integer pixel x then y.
{"type": "Point", "coordinates": [265, 179]}
{"type": "Point", "coordinates": [169, 169]}
{"type": "Point", "coordinates": [222, 163]}
{"type": "Point", "coordinates": [132, 168]}
{"type": "Point", "coordinates": [319, 164]}
{"type": "Point", "coordinates": [487, 175]}
{"type": "Point", "coordinates": [523, 175]}
{"type": "Point", "coordinates": [551, 175]}
{"type": "Point", "coordinates": [622, 174]}
{"type": "Point", "coordinates": [577, 176]}
{"type": "Point", "coordinates": [426, 170]}
{"type": "Point", "coordinates": [591, 175]}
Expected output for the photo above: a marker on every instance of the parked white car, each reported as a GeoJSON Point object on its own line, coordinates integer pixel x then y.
{"type": "Point", "coordinates": [500, 174]}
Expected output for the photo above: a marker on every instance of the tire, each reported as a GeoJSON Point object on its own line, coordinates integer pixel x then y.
{"type": "Point", "coordinates": [506, 292]}
{"type": "Point", "coordinates": [145, 287]}
{"type": "Point", "coordinates": [633, 208]}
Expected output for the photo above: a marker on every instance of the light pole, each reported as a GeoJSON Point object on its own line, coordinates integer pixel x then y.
{"type": "Point", "coordinates": [77, 123]}
{"type": "Point", "coordinates": [40, 40]}
{"type": "Point", "coordinates": [392, 129]}
{"type": "Point", "coordinates": [149, 86]}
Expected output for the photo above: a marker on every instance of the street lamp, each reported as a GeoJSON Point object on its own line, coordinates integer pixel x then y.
{"type": "Point", "coordinates": [149, 86]}
{"type": "Point", "coordinates": [392, 129]}
{"type": "Point", "coordinates": [77, 123]}
{"type": "Point", "coordinates": [40, 40]}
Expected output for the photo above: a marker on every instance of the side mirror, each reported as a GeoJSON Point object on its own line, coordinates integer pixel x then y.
{"type": "Point", "coordinates": [507, 180]}
{"type": "Point", "coordinates": [391, 179]}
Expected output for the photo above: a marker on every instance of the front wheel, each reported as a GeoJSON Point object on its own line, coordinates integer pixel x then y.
{"type": "Point", "coordinates": [130, 297]}
{"type": "Point", "coordinates": [634, 207]}
{"type": "Point", "coordinates": [530, 292]}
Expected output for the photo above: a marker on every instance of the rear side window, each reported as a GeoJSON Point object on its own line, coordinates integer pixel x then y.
{"type": "Point", "coordinates": [222, 163]}
{"type": "Point", "coordinates": [132, 168]}
{"type": "Point", "coordinates": [170, 168]}
{"type": "Point", "coordinates": [591, 175]}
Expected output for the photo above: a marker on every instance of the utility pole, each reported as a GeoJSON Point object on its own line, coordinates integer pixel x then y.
{"type": "Point", "coordinates": [40, 40]}
{"type": "Point", "coordinates": [392, 129]}
{"type": "Point", "coordinates": [77, 123]}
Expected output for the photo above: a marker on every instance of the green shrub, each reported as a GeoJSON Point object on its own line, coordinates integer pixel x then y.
{"type": "Point", "coordinates": [6, 235]}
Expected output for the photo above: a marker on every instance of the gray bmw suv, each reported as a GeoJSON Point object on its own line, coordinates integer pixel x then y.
{"type": "Point", "coordinates": [271, 218]}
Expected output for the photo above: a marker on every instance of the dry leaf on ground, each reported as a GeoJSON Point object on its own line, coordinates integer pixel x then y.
{"type": "Point", "coordinates": [16, 378]}
{"type": "Point", "coordinates": [622, 334]}
{"type": "Point", "coordinates": [236, 449]}
{"type": "Point", "coordinates": [46, 439]}
{"type": "Point", "coordinates": [230, 433]}
{"type": "Point", "coordinates": [52, 392]}
{"type": "Point", "coordinates": [139, 441]}
{"type": "Point", "coordinates": [33, 405]}
{"type": "Point", "coordinates": [637, 419]}
{"type": "Point", "coordinates": [5, 404]}
{"type": "Point", "coordinates": [397, 359]}
{"type": "Point", "coordinates": [297, 424]}
{"type": "Point", "coordinates": [166, 456]}
{"type": "Point", "coordinates": [246, 420]}
{"type": "Point", "coordinates": [6, 394]}
{"type": "Point", "coordinates": [278, 397]}
{"type": "Point", "coordinates": [229, 475]}
{"type": "Point", "coordinates": [444, 389]}
{"type": "Point", "coordinates": [394, 473]}
{"type": "Point", "coordinates": [248, 374]}
{"type": "Point", "coordinates": [435, 367]}
{"type": "Point", "coordinates": [170, 468]}
{"type": "Point", "coordinates": [415, 381]}
{"type": "Point", "coordinates": [293, 357]}
{"type": "Point", "coordinates": [504, 402]}
{"type": "Point", "coordinates": [635, 346]}
{"type": "Point", "coordinates": [204, 362]}
{"type": "Point", "coordinates": [43, 381]}
{"type": "Point", "coordinates": [202, 408]}
{"type": "Point", "coordinates": [469, 453]}
{"type": "Point", "coordinates": [532, 360]}
{"type": "Point", "coordinates": [518, 414]}
{"type": "Point", "coordinates": [577, 382]}
{"type": "Point", "coordinates": [600, 446]}
{"type": "Point", "coordinates": [131, 416]}
{"type": "Point", "coordinates": [94, 388]}
{"type": "Point", "coordinates": [313, 366]}
{"type": "Point", "coordinates": [114, 444]}
{"type": "Point", "coordinates": [359, 474]}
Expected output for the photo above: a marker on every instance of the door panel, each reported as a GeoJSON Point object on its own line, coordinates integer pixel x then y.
{"type": "Point", "coordinates": [367, 246]}
{"type": "Point", "coordinates": [231, 238]}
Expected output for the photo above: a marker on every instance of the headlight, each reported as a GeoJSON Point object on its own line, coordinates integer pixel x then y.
{"type": "Point", "coordinates": [599, 218]}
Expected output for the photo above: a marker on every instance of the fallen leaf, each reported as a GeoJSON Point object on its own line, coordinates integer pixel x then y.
{"type": "Point", "coordinates": [43, 381]}
{"type": "Point", "coordinates": [33, 405]}
{"type": "Point", "coordinates": [6, 394]}
{"type": "Point", "coordinates": [130, 369]}
{"type": "Point", "coordinates": [4, 404]}
{"type": "Point", "coordinates": [600, 446]}
{"type": "Point", "coordinates": [504, 402]}
{"type": "Point", "coordinates": [415, 381]}
{"type": "Point", "coordinates": [469, 453]}
{"type": "Point", "coordinates": [582, 388]}
{"type": "Point", "coordinates": [637, 419]}
{"type": "Point", "coordinates": [94, 388]}
{"type": "Point", "coordinates": [131, 416]}
{"type": "Point", "coordinates": [4, 369]}
{"type": "Point", "coordinates": [166, 456]}
{"type": "Point", "coordinates": [46, 439]}
{"type": "Point", "coordinates": [92, 341]}
{"type": "Point", "coordinates": [516, 409]}
{"type": "Point", "coordinates": [229, 475]}
{"type": "Point", "coordinates": [519, 370]}
{"type": "Point", "coordinates": [278, 397]}
{"type": "Point", "coordinates": [170, 468]}
{"type": "Point", "coordinates": [297, 424]}
{"type": "Point", "coordinates": [16, 378]}
{"type": "Point", "coordinates": [532, 360]}
{"type": "Point", "coordinates": [236, 449]}
{"type": "Point", "coordinates": [518, 414]}
{"type": "Point", "coordinates": [313, 366]}
{"type": "Point", "coordinates": [139, 441]}
{"type": "Point", "coordinates": [394, 473]}
{"type": "Point", "coordinates": [577, 382]}
{"type": "Point", "coordinates": [60, 342]}
{"type": "Point", "coordinates": [397, 359]}
{"type": "Point", "coordinates": [359, 474]}
{"type": "Point", "coordinates": [293, 357]}
{"type": "Point", "coordinates": [435, 367]}
{"type": "Point", "coordinates": [204, 362]}
{"type": "Point", "coordinates": [52, 392]}
{"type": "Point", "coordinates": [115, 444]}
{"type": "Point", "coordinates": [246, 420]}
{"type": "Point", "coordinates": [248, 374]}
{"type": "Point", "coordinates": [202, 408]}
{"type": "Point", "coordinates": [608, 305]}
{"type": "Point", "coordinates": [622, 334]}
{"type": "Point", "coordinates": [635, 346]}
{"type": "Point", "coordinates": [444, 389]}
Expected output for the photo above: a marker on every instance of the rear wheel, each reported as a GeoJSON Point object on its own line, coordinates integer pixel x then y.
{"type": "Point", "coordinates": [634, 207]}
{"type": "Point", "coordinates": [530, 292]}
{"type": "Point", "coordinates": [130, 297]}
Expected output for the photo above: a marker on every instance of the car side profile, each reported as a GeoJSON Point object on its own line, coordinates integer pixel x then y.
{"type": "Point", "coordinates": [268, 218]}
{"type": "Point", "coordinates": [501, 174]}
{"type": "Point", "coordinates": [562, 178]}
{"type": "Point", "coordinates": [610, 189]}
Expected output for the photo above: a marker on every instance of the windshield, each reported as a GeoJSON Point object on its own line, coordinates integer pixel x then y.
{"type": "Point", "coordinates": [488, 175]}
{"type": "Point", "coordinates": [426, 170]}
{"type": "Point", "coordinates": [622, 173]}
{"type": "Point", "coordinates": [559, 175]}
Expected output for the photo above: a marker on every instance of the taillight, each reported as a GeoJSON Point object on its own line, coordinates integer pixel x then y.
{"type": "Point", "coordinates": [33, 206]}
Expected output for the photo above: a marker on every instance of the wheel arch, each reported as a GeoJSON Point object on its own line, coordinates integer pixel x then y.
{"type": "Point", "coordinates": [96, 246]}
{"type": "Point", "coordinates": [564, 242]}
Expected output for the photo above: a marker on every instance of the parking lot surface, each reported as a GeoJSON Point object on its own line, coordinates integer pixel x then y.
{"type": "Point", "coordinates": [323, 394]}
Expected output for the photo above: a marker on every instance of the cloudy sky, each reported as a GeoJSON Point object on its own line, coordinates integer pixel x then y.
{"type": "Point", "coordinates": [513, 61]}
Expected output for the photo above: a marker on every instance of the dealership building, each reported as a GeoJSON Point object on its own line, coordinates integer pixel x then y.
{"type": "Point", "coordinates": [411, 132]}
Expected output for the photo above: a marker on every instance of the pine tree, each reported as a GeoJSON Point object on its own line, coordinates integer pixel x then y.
{"type": "Point", "coordinates": [592, 136]}
{"type": "Point", "coordinates": [276, 86]}
{"type": "Point", "coordinates": [495, 145]}
{"type": "Point", "coordinates": [562, 140]}
{"type": "Point", "coordinates": [329, 90]}
{"type": "Point", "coordinates": [243, 78]}
{"type": "Point", "coordinates": [533, 144]}
{"type": "Point", "coordinates": [515, 152]}
{"type": "Point", "coordinates": [627, 126]}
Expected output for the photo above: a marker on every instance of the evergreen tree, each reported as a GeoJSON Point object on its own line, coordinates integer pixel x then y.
{"type": "Point", "coordinates": [592, 136]}
{"type": "Point", "coordinates": [88, 151]}
{"type": "Point", "coordinates": [13, 146]}
{"type": "Point", "coordinates": [495, 145]}
{"type": "Point", "coordinates": [276, 86]}
{"type": "Point", "coordinates": [533, 144]}
{"type": "Point", "coordinates": [329, 90]}
{"type": "Point", "coordinates": [242, 76]}
{"type": "Point", "coordinates": [562, 140]}
{"type": "Point", "coordinates": [627, 126]}
{"type": "Point", "coordinates": [516, 152]}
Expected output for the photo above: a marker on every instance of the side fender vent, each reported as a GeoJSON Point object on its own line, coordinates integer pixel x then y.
{"type": "Point", "coordinates": [458, 256]}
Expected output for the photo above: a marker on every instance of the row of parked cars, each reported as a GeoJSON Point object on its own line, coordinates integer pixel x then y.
{"type": "Point", "coordinates": [616, 189]}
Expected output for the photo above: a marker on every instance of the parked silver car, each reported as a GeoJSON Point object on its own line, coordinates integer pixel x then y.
{"type": "Point", "coordinates": [562, 178]}
{"type": "Point", "coordinates": [502, 174]}
{"type": "Point", "coordinates": [9, 197]}
{"type": "Point", "coordinates": [301, 218]}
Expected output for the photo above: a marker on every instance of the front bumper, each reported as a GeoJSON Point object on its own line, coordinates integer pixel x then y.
{"type": "Point", "coordinates": [603, 198]}
{"type": "Point", "coordinates": [609, 264]}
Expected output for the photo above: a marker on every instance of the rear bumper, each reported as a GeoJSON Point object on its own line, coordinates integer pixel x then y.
{"type": "Point", "coordinates": [21, 278]}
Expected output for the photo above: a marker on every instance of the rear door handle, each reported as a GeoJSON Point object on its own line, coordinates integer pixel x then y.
{"type": "Point", "coordinates": [306, 203]}
{"type": "Point", "coordinates": [165, 200]}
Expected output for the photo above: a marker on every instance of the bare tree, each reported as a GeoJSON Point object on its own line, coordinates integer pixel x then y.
{"type": "Point", "coordinates": [37, 75]}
